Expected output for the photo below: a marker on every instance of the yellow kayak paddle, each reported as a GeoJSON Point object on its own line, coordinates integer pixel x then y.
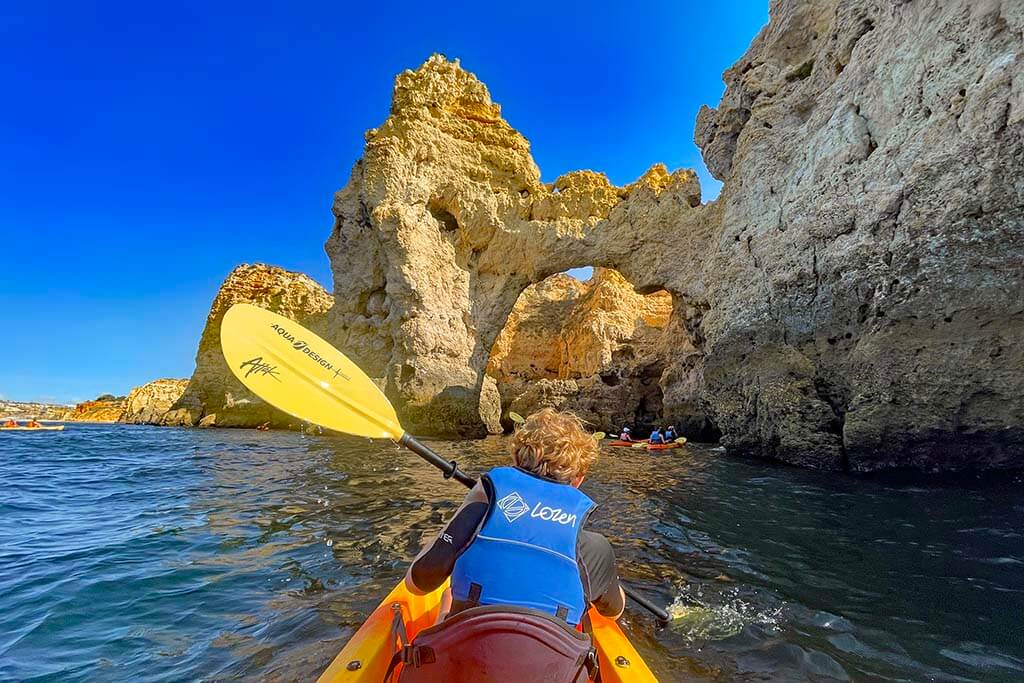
{"type": "Point", "coordinates": [297, 372]}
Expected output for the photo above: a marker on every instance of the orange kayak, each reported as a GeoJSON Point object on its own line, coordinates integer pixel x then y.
{"type": "Point", "coordinates": [368, 653]}
{"type": "Point", "coordinates": [626, 444]}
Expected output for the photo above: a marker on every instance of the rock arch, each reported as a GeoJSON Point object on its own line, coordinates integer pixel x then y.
{"type": "Point", "coordinates": [598, 348]}
{"type": "Point", "coordinates": [854, 294]}
{"type": "Point", "coordinates": [445, 222]}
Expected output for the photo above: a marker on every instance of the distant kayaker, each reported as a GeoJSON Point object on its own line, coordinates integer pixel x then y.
{"type": "Point", "coordinates": [10, 423]}
{"type": "Point", "coordinates": [33, 424]}
{"type": "Point", "coordinates": [671, 434]}
{"type": "Point", "coordinates": [625, 435]}
{"type": "Point", "coordinates": [657, 436]}
{"type": "Point", "coordinates": [518, 541]}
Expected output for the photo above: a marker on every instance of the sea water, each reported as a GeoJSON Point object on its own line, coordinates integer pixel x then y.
{"type": "Point", "coordinates": [143, 553]}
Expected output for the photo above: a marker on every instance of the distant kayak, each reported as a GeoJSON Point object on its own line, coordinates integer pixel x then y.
{"type": "Point", "coordinates": [626, 444]}
{"type": "Point", "coordinates": [666, 446]}
{"type": "Point", "coordinates": [54, 428]}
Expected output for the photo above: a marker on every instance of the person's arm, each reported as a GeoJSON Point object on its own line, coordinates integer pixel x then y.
{"type": "Point", "coordinates": [437, 559]}
{"type": "Point", "coordinates": [600, 579]}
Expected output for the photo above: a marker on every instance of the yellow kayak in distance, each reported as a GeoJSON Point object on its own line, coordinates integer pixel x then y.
{"type": "Point", "coordinates": [55, 428]}
{"type": "Point", "coordinates": [368, 653]}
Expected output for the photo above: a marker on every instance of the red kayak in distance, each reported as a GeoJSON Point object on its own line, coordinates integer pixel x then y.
{"type": "Point", "coordinates": [626, 444]}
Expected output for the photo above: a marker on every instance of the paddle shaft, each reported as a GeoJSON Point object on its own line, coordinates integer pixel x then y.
{"type": "Point", "coordinates": [451, 471]}
{"type": "Point", "coordinates": [449, 467]}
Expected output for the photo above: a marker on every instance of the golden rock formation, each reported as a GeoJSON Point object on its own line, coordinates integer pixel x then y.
{"type": "Point", "coordinates": [213, 396]}
{"type": "Point", "coordinates": [445, 221]}
{"type": "Point", "coordinates": [99, 410]}
{"type": "Point", "coordinates": [149, 403]}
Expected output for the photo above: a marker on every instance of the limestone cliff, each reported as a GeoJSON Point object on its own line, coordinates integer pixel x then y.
{"type": "Point", "coordinates": [213, 396]}
{"type": "Point", "coordinates": [103, 409]}
{"type": "Point", "coordinates": [529, 347]}
{"type": "Point", "coordinates": [445, 221]}
{"type": "Point", "coordinates": [596, 348]}
{"type": "Point", "coordinates": [853, 299]}
{"type": "Point", "coordinates": [149, 403]}
{"type": "Point", "coordinates": [867, 304]}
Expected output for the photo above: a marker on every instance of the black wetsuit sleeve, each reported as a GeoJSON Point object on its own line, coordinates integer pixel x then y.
{"type": "Point", "coordinates": [597, 569]}
{"type": "Point", "coordinates": [434, 566]}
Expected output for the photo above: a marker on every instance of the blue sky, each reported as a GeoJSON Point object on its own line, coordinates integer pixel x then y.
{"type": "Point", "coordinates": [148, 148]}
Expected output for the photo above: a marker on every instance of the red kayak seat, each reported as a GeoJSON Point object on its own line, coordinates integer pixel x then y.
{"type": "Point", "coordinates": [498, 643]}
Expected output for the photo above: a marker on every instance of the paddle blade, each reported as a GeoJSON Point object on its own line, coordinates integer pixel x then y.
{"type": "Point", "coordinates": [639, 445]}
{"type": "Point", "coordinates": [296, 371]}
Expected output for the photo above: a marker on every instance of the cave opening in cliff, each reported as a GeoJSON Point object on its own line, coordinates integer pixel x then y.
{"type": "Point", "coordinates": [587, 342]}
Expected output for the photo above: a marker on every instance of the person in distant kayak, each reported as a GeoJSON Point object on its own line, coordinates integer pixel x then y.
{"type": "Point", "coordinates": [625, 435]}
{"type": "Point", "coordinates": [671, 434]}
{"type": "Point", "coordinates": [657, 436]}
{"type": "Point", "coordinates": [33, 424]}
{"type": "Point", "coordinates": [517, 546]}
{"type": "Point", "coordinates": [10, 423]}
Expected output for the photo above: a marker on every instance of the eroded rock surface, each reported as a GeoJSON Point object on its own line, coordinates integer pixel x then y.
{"type": "Point", "coordinates": [596, 348]}
{"type": "Point", "coordinates": [445, 221]}
{"type": "Point", "coordinates": [868, 304]}
{"type": "Point", "coordinates": [213, 395]}
{"type": "Point", "coordinates": [100, 410]}
{"type": "Point", "coordinates": [149, 403]}
{"type": "Point", "coordinates": [854, 299]}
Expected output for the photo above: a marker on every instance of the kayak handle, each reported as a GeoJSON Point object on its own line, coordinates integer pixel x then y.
{"type": "Point", "coordinates": [451, 471]}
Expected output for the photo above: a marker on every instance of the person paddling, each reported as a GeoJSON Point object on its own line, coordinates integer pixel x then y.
{"type": "Point", "coordinates": [33, 424]}
{"type": "Point", "coordinates": [10, 423]}
{"type": "Point", "coordinates": [625, 435]}
{"type": "Point", "coordinates": [657, 436]}
{"type": "Point", "coordinates": [516, 551]}
{"type": "Point", "coordinates": [671, 434]}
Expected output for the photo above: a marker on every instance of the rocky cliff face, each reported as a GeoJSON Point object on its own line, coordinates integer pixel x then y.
{"type": "Point", "coordinates": [96, 411]}
{"type": "Point", "coordinates": [854, 299]}
{"type": "Point", "coordinates": [213, 396]}
{"type": "Point", "coordinates": [445, 222]}
{"type": "Point", "coordinates": [597, 348]}
{"type": "Point", "coordinates": [867, 305]}
{"type": "Point", "coordinates": [149, 403]}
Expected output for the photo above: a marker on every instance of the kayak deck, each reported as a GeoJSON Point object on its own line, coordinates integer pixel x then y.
{"type": "Point", "coordinates": [56, 428]}
{"type": "Point", "coordinates": [663, 446]}
{"type": "Point", "coordinates": [367, 654]}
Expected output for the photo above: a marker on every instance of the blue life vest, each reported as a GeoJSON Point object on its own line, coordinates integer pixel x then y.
{"type": "Point", "coordinates": [656, 437]}
{"type": "Point", "coordinates": [525, 553]}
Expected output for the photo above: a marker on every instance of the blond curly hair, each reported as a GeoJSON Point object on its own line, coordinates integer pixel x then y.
{"type": "Point", "coordinates": [554, 445]}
